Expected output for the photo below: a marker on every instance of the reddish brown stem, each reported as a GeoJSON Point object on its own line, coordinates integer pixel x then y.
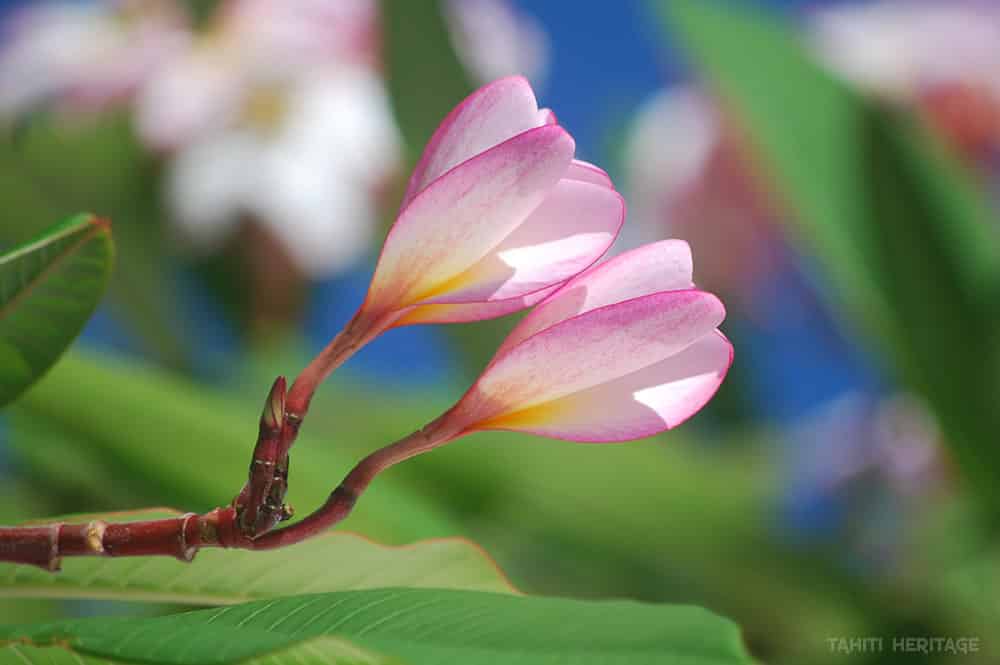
{"type": "Point", "coordinates": [260, 502]}
{"type": "Point", "coordinates": [358, 331]}
{"type": "Point", "coordinates": [181, 537]}
{"type": "Point", "coordinates": [338, 506]}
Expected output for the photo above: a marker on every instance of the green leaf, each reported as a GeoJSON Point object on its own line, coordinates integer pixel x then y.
{"type": "Point", "coordinates": [55, 169]}
{"type": "Point", "coordinates": [694, 523]}
{"type": "Point", "coordinates": [411, 626]}
{"type": "Point", "coordinates": [49, 287]}
{"type": "Point", "coordinates": [26, 654]}
{"type": "Point", "coordinates": [926, 232]}
{"type": "Point", "coordinates": [906, 239]}
{"type": "Point", "coordinates": [424, 76]}
{"type": "Point", "coordinates": [336, 561]}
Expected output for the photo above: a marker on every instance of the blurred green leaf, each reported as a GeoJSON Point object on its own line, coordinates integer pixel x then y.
{"type": "Point", "coordinates": [331, 562]}
{"type": "Point", "coordinates": [26, 654]}
{"type": "Point", "coordinates": [657, 519]}
{"type": "Point", "coordinates": [665, 519]}
{"type": "Point", "coordinates": [423, 73]}
{"type": "Point", "coordinates": [56, 168]}
{"type": "Point", "coordinates": [907, 241]}
{"type": "Point", "coordinates": [408, 626]}
{"type": "Point", "coordinates": [174, 442]}
{"type": "Point", "coordinates": [644, 519]}
{"type": "Point", "coordinates": [201, 11]}
{"type": "Point", "coordinates": [49, 287]}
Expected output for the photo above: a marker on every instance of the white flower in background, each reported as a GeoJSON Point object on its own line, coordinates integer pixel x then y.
{"type": "Point", "coordinates": [278, 116]}
{"type": "Point", "coordinates": [275, 113]}
{"type": "Point", "coordinates": [494, 39]}
{"type": "Point", "coordinates": [309, 179]}
{"type": "Point", "coordinates": [896, 48]}
{"type": "Point", "coordinates": [880, 461]}
{"type": "Point", "coordinates": [692, 174]}
{"type": "Point", "coordinates": [689, 177]}
{"type": "Point", "coordinates": [943, 57]}
{"type": "Point", "coordinates": [253, 46]}
{"type": "Point", "coordinates": [857, 435]}
{"type": "Point", "coordinates": [84, 56]}
{"type": "Point", "coordinates": [683, 119]}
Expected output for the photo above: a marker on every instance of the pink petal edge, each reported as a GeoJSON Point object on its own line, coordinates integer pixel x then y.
{"type": "Point", "coordinates": [489, 116]}
{"type": "Point", "coordinates": [567, 233]}
{"type": "Point", "coordinates": [588, 350]}
{"type": "Point", "coordinates": [614, 413]}
{"type": "Point", "coordinates": [453, 223]}
{"type": "Point", "coordinates": [587, 172]}
{"type": "Point", "coordinates": [661, 266]}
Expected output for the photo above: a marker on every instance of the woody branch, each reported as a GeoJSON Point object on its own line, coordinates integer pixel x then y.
{"type": "Point", "coordinates": [181, 537]}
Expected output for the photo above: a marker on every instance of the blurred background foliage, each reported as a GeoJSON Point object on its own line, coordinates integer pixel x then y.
{"type": "Point", "coordinates": [836, 176]}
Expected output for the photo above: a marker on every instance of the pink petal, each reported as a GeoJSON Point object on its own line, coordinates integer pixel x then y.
{"type": "Point", "coordinates": [476, 311]}
{"type": "Point", "coordinates": [587, 172]}
{"type": "Point", "coordinates": [649, 401]}
{"type": "Point", "coordinates": [659, 266]}
{"type": "Point", "coordinates": [487, 117]}
{"type": "Point", "coordinates": [547, 117]}
{"type": "Point", "coordinates": [572, 228]}
{"type": "Point", "coordinates": [456, 221]}
{"type": "Point", "coordinates": [587, 351]}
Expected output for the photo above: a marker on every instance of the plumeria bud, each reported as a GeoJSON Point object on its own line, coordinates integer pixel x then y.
{"type": "Point", "coordinates": [623, 351]}
{"type": "Point", "coordinates": [496, 212]}
{"type": "Point", "coordinates": [496, 216]}
{"type": "Point", "coordinates": [273, 416]}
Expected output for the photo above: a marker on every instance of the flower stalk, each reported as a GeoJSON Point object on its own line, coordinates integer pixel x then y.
{"type": "Point", "coordinates": [183, 536]}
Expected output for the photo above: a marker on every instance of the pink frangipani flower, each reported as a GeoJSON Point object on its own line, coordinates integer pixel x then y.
{"type": "Point", "coordinates": [497, 215]}
{"type": "Point", "coordinates": [623, 351]}
{"type": "Point", "coordinates": [496, 211]}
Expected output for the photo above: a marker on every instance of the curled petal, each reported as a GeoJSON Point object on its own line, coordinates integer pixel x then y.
{"type": "Point", "coordinates": [474, 311]}
{"type": "Point", "coordinates": [643, 403]}
{"type": "Point", "coordinates": [589, 350]}
{"type": "Point", "coordinates": [487, 117]}
{"type": "Point", "coordinates": [652, 268]}
{"type": "Point", "coordinates": [587, 172]}
{"type": "Point", "coordinates": [572, 228]}
{"type": "Point", "coordinates": [547, 117]}
{"type": "Point", "coordinates": [463, 215]}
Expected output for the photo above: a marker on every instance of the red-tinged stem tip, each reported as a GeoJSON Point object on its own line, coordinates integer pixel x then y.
{"type": "Point", "coordinates": [338, 506]}
{"type": "Point", "coordinates": [273, 416]}
{"type": "Point", "coordinates": [260, 504]}
{"type": "Point", "coordinates": [100, 222]}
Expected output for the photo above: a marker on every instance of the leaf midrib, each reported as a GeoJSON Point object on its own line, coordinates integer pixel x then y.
{"type": "Point", "coordinates": [95, 227]}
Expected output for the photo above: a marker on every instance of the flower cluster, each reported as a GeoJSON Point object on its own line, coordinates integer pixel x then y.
{"type": "Point", "coordinates": [499, 216]}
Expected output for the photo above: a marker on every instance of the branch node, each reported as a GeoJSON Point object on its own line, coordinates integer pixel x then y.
{"type": "Point", "coordinates": [186, 551]}
{"type": "Point", "coordinates": [55, 561]}
{"type": "Point", "coordinates": [94, 536]}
